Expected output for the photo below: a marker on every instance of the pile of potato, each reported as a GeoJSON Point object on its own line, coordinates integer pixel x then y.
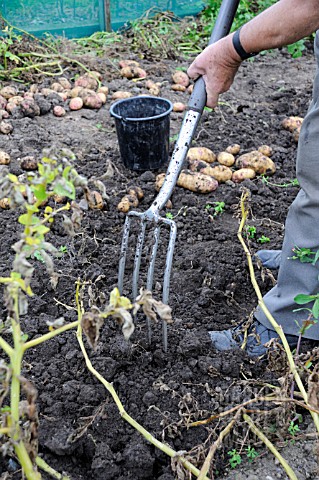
{"type": "Point", "coordinates": [205, 170]}
{"type": "Point", "coordinates": [59, 97]}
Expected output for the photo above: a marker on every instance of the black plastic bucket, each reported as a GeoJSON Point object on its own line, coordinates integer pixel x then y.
{"type": "Point", "coordinates": [142, 126]}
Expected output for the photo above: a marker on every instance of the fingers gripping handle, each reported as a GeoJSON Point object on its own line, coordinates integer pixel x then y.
{"type": "Point", "coordinates": [222, 27]}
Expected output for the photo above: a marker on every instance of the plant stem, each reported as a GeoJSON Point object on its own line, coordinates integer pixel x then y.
{"type": "Point", "coordinates": [6, 347]}
{"type": "Point", "coordinates": [46, 468]}
{"type": "Point", "coordinates": [47, 336]}
{"type": "Point", "coordinates": [291, 474]}
{"type": "Point", "coordinates": [215, 445]}
{"type": "Point", "coordinates": [4, 431]}
{"type": "Point", "coordinates": [148, 436]}
{"type": "Point", "coordinates": [16, 361]}
{"type": "Point", "coordinates": [272, 399]}
{"type": "Point", "coordinates": [267, 313]}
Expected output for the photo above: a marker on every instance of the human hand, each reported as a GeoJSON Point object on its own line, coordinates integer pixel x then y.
{"type": "Point", "coordinates": [218, 65]}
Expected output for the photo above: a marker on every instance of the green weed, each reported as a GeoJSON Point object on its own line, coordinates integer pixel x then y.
{"type": "Point", "coordinates": [263, 239]}
{"type": "Point", "coordinates": [217, 208]}
{"type": "Point", "coordinates": [234, 458]}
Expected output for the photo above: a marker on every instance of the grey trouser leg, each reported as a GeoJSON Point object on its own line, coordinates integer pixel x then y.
{"type": "Point", "coordinates": [302, 230]}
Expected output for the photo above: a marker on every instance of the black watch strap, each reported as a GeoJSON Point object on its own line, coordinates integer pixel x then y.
{"type": "Point", "coordinates": [239, 48]}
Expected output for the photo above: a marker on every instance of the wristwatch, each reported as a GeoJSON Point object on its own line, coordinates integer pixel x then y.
{"type": "Point", "coordinates": [239, 48]}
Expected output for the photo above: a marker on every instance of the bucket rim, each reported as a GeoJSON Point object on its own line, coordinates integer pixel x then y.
{"type": "Point", "coordinates": [144, 119]}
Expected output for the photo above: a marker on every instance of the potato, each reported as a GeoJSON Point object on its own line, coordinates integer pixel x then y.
{"type": "Point", "coordinates": [265, 150]}
{"type": "Point", "coordinates": [64, 95]}
{"type": "Point", "coordinates": [8, 92]}
{"type": "Point", "coordinates": [17, 99]}
{"type": "Point", "coordinates": [137, 191]}
{"type": "Point", "coordinates": [65, 83]}
{"type": "Point", "coordinates": [154, 88]}
{"type": "Point", "coordinates": [34, 88]}
{"type": "Point", "coordinates": [233, 149]}
{"type": "Point", "coordinates": [4, 158]}
{"type": "Point", "coordinates": [121, 95]}
{"type": "Point", "coordinates": [11, 107]}
{"type": "Point", "coordinates": [92, 101]}
{"type": "Point", "coordinates": [3, 102]}
{"type": "Point", "coordinates": [29, 163]}
{"type": "Point", "coordinates": [179, 107]}
{"type": "Point", "coordinates": [76, 103]}
{"type": "Point", "coordinates": [85, 92]}
{"type": "Point", "coordinates": [181, 78]}
{"type": "Point", "coordinates": [29, 108]}
{"type": "Point", "coordinates": [128, 63]}
{"type": "Point", "coordinates": [59, 111]}
{"type": "Point", "coordinates": [195, 165]}
{"type": "Point", "coordinates": [257, 161]}
{"type": "Point", "coordinates": [87, 82]}
{"type": "Point", "coordinates": [221, 173]}
{"type": "Point", "coordinates": [178, 88]}
{"type": "Point", "coordinates": [4, 114]}
{"type": "Point", "coordinates": [132, 72]}
{"type": "Point", "coordinates": [94, 199]}
{"type": "Point", "coordinates": [28, 95]}
{"type": "Point", "coordinates": [159, 181]}
{"type": "Point", "coordinates": [190, 89]}
{"type": "Point", "coordinates": [102, 96]}
{"type": "Point", "coordinates": [201, 153]}
{"type": "Point", "coordinates": [104, 89]}
{"type": "Point", "coordinates": [46, 91]}
{"type": "Point", "coordinates": [75, 91]}
{"type": "Point", "coordinates": [245, 160]}
{"type": "Point", "coordinates": [5, 127]}
{"type": "Point", "coordinates": [196, 182]}
{"type": "Point", "coordinates": [155, 91]}
{"type": "Point", "coordinates": [150, 84]}
{"type": "Point", "coordinates": [127, 202]}
{"type": "Point", "coordinates": [225, 158]}
{"type": "Point", "coordinates": [289, 123]}
{"type": "Point", "coordinates": [243, 174]}
{"type": "Point", "coordinates": [57, 87]}
{"type": "Point", "coordinates": [5, 203]}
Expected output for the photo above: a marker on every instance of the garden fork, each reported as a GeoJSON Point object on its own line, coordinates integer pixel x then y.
{"type": "Point", "coordinates": [190, 122]}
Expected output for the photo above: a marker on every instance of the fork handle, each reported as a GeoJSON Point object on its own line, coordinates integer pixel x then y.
{"type": "Point", "coordinates": [221, 28]}
{"type": "Point", "coordinates": [191, 119]}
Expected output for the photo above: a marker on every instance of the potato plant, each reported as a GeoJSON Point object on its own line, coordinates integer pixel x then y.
{"type": "Point", "coordinates": [19, 418]}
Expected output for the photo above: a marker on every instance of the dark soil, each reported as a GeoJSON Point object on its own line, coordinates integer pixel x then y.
{"type": "Point", "coordinates": [81, 431]}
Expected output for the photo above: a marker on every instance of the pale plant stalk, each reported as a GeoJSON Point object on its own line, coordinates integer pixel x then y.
{"type": "Point", "coordinates": [109, 387]}
{"type": "Point", "coordinates": [262, 305]}
{"type": "Point", "coordinates": [291, 474]}
{"type": "Point", "coordinates": [215, 446]}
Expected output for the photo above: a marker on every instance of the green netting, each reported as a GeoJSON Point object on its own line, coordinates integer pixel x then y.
{"type": "Point", "coordinates": [78, 18]}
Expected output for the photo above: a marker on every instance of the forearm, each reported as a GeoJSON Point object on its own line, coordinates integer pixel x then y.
{"type": "Point", "coordinates": [284, 23]}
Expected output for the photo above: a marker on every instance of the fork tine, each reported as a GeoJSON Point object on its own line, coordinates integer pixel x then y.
{"type": "Point", "coordinates": [150, 275]}
{"type": "Point", "coordinates": [137, 259]}
{"type": "Point", "coordinates": [167, 274]}
{"type": "Point", "coordinates": [126, 234]}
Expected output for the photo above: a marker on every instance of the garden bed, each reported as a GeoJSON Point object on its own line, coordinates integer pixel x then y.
{"type": "Point", "coordinates": [81, 431]}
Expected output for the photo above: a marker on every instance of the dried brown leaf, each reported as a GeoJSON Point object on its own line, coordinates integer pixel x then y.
{"type": "Point", "coordinates": [179, 470]}
{"type": "Point", "coordinates": [124, 318]}
{"type": "Point", "coordinates": [153, 308]}
{"type": "Point", "coordinates": [91, 324]}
